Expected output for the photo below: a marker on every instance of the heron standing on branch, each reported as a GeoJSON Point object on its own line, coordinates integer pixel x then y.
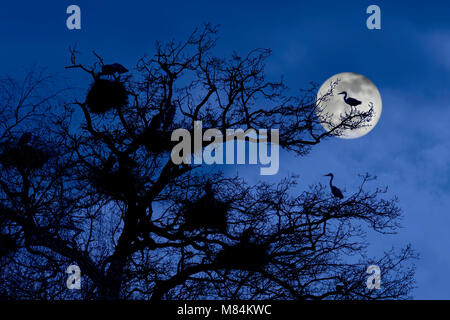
{"type": "Point", "coordinates": [334, 190]}
{"type": "Point", "coordinates": [350, 101]}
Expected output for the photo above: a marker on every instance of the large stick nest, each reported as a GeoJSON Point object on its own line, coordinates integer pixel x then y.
{"type": "Point", "coordinates": [24, 156]}
{"type": "Point", "coordinates": [244, 256]}
{"type": "Point", "coordinates": [117, 180]}
{"type": "Point", "coordinates": [105, 95]}
{"type": "Point", "coordinates": [206, 213]}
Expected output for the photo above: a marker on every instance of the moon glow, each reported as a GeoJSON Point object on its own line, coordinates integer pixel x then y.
{"type": "Point", "coordinates": [358, 87]}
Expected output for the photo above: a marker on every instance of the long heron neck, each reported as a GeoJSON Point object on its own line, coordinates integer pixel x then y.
{"type": "Point", "coordinates": [345, 97]}
{"type": "Point", "coordinates": [331, 181]}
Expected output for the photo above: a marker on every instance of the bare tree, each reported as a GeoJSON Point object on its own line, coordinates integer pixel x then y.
{"type": "Point", "coordinates": [103, 193]}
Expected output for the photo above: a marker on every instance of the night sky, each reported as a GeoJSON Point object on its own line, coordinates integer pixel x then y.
{"type": "Point", "coordinates": [408, 60]}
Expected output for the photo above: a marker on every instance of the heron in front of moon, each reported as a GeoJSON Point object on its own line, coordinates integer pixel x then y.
{"type": "Point", "coordinates": [331, 108]}
{"type": "Point", "coordinates": [334, 190]}
{"type": "Point", "coordinates": [350, 101]}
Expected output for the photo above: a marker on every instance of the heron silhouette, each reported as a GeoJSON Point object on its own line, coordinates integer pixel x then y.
{"type": "Point", "coordinates": [111, 69]}
{"type": "Point", "coordinates": [334, 190]}
{"type": "Point", "coordinates": [25, 139]}
{"type": "Point", "coordinates": [350, 101]}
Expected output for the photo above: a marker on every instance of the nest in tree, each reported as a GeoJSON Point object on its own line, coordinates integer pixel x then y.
{"type": "Point", "coordinates": [206, 213]}
{"type": "Point", "coordinates": [106, 94]}
{"type": "Point", "coordinates": [156, 137]}
{"type": "Point", "coordinates": [7, 245]}
{"type": "Point", "coordinates": [244, 256]}
{"type": "Point", "coordinates": [119, 182]}
{"type": "Point", "coordinates": [24, 156]}
{"type": "Point", "coordinates": [157, 141]}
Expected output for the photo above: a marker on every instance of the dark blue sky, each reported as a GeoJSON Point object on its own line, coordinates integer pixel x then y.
{"type": "Point", "coordinates": [408, 59]}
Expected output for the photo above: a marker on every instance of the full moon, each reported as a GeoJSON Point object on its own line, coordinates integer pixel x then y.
{"type": "Point", "coordinates": [356, 86]}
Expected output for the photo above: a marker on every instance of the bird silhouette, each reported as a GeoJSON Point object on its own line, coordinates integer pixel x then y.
{"type": "Point", "coordinates": [116, 177]}
{"type": "Point", "coordinates": [339, 287]}
{"type": "Point", "coordinates": [25, 139]}
{"type": "Point", "coordinates": [155, 123]}
{"type": "Point", "coordinates": [168, 116]}
{"type": "Point", "coordinates": [247, 254]}
{"type": "Point", "coordinates": [111, 69]}
{"type": "Point", "coordinates": [207, 212]}
{"type": "Point", "coordinates": [350, 101]}
{"type": "Point", "coordinates": [27, 152]}
{"type": "Point", "coordinates": [163, 119]}
{"type": "Point", "coordinates": [156, 136]}
{"type": "Point", "coordinates": [7, 245]}
{"type": "Point", "coordinates": [334, 190]}
{"type": "Point", "coordinates": [246, 236]}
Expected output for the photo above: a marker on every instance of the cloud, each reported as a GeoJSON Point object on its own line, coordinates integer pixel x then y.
{"type": "Point", "coordinates": [437, 45]}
